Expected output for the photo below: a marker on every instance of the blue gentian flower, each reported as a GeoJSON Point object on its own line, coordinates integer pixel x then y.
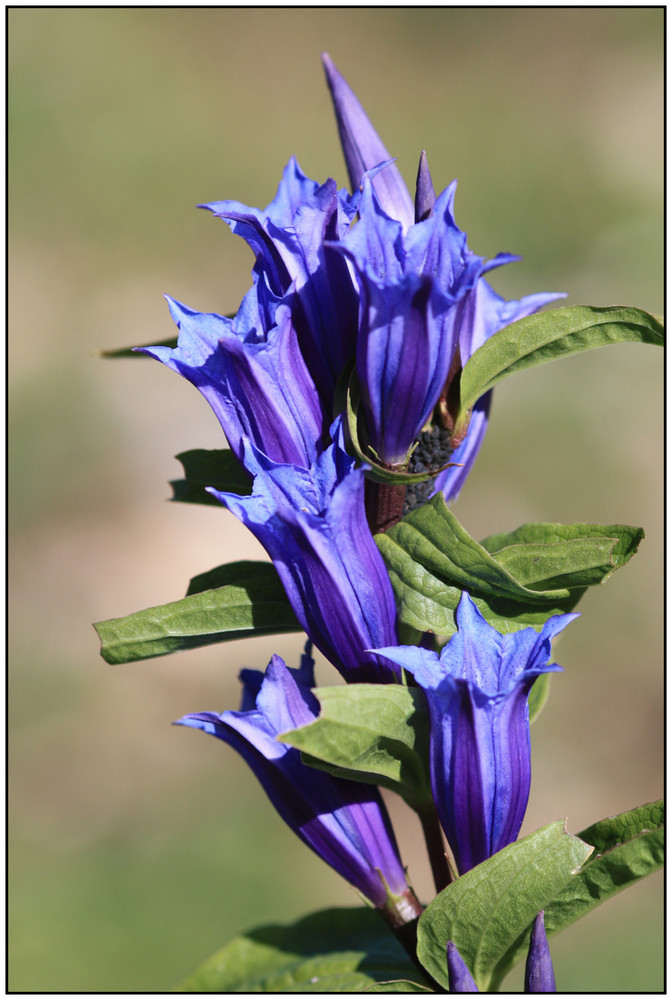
{"type": "Point", "coordinates": [344, 822]}
{"type": "Point", "coordinates": [313, 525]}
{"type": "Point", "coordinates": [477, 691]}
{"type": "Point", "coordinates": [539, 974]}
{"type": "Point", "coordinates": [366, 279]}
{"type": "Point", "coordinates": [413, 336]}
{"type": "Point", "coordinates": [253, 375]}
{"type": "Point", "coordinates": [413, 289]}
{"type": "Point", "coordinates": [290, 239]}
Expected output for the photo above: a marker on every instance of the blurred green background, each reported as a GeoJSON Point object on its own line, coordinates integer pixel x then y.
{"type": "Point", "coordinates": [136, 848]}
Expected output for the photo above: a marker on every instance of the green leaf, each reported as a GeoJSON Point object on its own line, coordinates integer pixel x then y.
{"type": "Point", "coordinates": [542, 555]}
{"type": "Point", "coordinates": [516, 579]}
{"type": "Point", "coordinates": [627, 848]}
{"type": "Point", "coordinates": [376, 733]}
{"type": "Point", "coordinates": [557, 333]}
{"type": "Point", "coordinates": [484, 911]}
{"type": "Point", "coordinates": [538, 696]}
{"type": "Point", "coordinates": [614, 831]}
{"type": "Point", "coordinates": [333, 951]}
{"type": "Point", "coordinates": [218, 468]}
{"type": "Point", "coordinates": [249, 600]}
{"type": "Point", "coordinates": [397, 986]}
{"type": "Point", "coordinates": [133, 352]}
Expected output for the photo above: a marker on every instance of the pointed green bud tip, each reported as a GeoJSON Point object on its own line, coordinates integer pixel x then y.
{"type": "Point", "coordinates": [460, 980]}
{"type": "Point", "coordinates": [539, 975]}
{"type": "Point", "coordinates": [424, 191]}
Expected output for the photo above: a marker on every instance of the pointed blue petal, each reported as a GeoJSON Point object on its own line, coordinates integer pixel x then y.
{"type": "Point", "coordinates": [425, 195]}
{"type": "Point", "coordinates": [363, 149]}
{"type": "Point", "coordinates": [460, 980]}
{"type": "Point", "coordinates": [539, 974]}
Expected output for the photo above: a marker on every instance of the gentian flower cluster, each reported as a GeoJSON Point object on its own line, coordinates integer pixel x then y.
{"type": "Point", "coordinates": [372, 291]}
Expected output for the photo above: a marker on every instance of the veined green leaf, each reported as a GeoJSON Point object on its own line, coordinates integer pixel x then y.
{"type": "Point", "coordinates": [556, 333]}
{"type": "Point", "coordinates": [377, 733]}
{"type": "Point", "coordinates": [515, 579]}
{"type": "Point", "coordinates": [564, 555]}
{"type": "Point", "coordinates": [333, 951]}
{"type": "Point", "coordinates": [250, 600]}
{"type": "Point", "coordinates": [627, 848]}
{"type": "Point", "coordinates": [484, 911]}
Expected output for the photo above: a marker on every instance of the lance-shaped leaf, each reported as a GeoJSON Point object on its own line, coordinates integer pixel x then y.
{"type": "Point", "coordinates": [250, 600]}
{"type": "Point", "coordinates": [133, 352]}
{"type": "Point", "coordinates": [485, 911]}
{"type": "Point", "coordinates": [543, 556]}
{"type": "Point", "coordinates": [557, 333]}
{"type": "Point", "coordinates": [397, 986]}
{"type": "Point", "coordinates": [218, 468]}
{"type": "Point", "coordinates": [516, 579]}
{"type": "Point", "coordinates": [333, 951]}
{"type": "Point", "coordinates": [370, 732]}
{"type": "Point", "coordinates": [627, 848]}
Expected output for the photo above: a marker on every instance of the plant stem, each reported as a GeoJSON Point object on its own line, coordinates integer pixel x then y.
{"type": "Point", "coordinates": [384, 504]}
{"type": "Point", "coordinates": [436, 849]}
{"type": "Point", "coordinates": [402, 914]}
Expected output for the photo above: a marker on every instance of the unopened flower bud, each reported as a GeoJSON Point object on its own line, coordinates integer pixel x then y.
{"type": "Point", "coordinates": [539, 975]}
{"type": "Point", "coordinates": [459, 977]}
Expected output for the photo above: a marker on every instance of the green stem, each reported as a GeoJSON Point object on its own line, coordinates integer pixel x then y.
{"type": "Point", "coordinates": [436, 849]}
{"type": "Point", "coordinates": [402, 914]}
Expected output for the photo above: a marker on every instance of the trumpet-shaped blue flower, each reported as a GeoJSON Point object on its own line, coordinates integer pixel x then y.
{"type": "Point", "coordinates": [344, 822]}
{"type": "Point", "coordinates": [313, 525]}
{"type": "Point", "coordinates": [252, 374]}
{"type": "Point", "coordinates": [413, 289]}
{"type": "Point", "coordinates": [290, 239]}
{"type": "Point", "coordinates": [477, 691]}
{"type": "Point", "coordinates": [425, 305]}
{"type": "Point", "coordinates": [484, 313]}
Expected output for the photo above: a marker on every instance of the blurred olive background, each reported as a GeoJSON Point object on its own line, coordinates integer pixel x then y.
{"type": "Point", "coordinates": [136, 848]}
